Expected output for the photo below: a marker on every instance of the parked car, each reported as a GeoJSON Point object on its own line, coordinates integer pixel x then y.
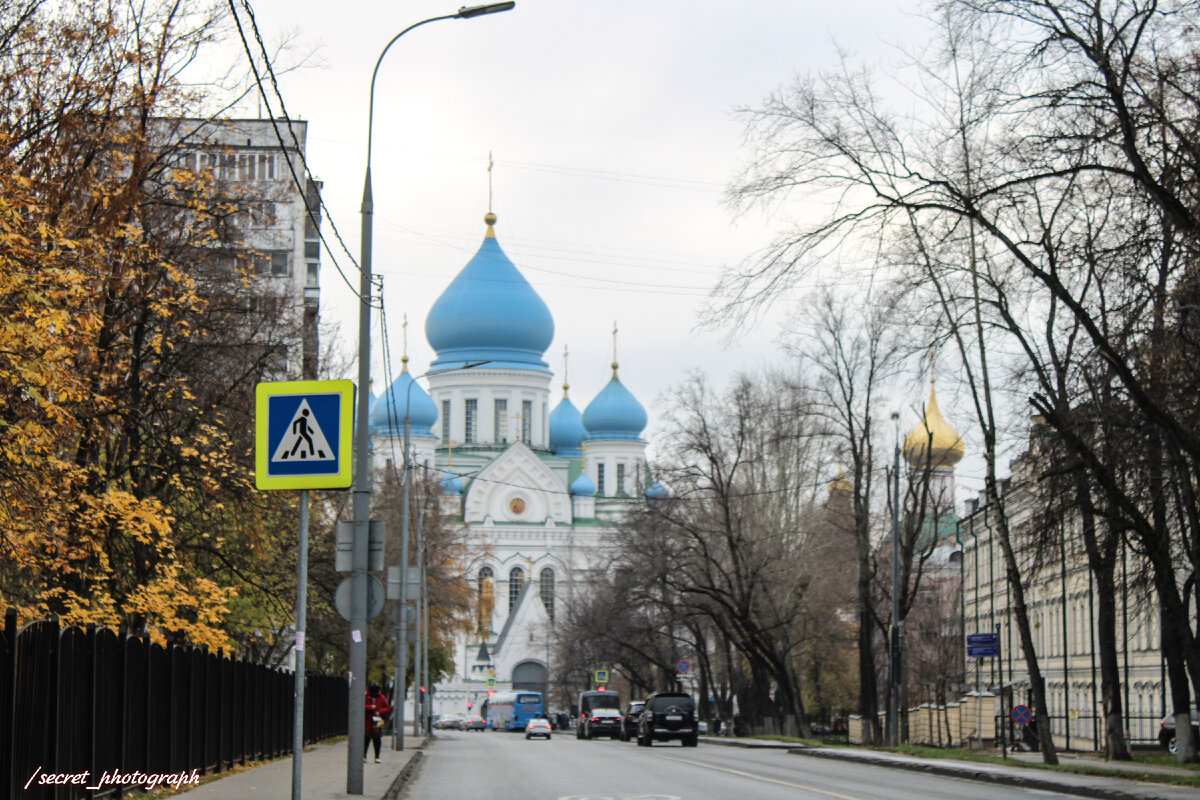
{"type": "Point", "coordinates": [475, 724]}
{"type": "Point", "coordinates": [666, 716]}
{"type": "Point", "coordinates": [1166, 731]}
{"type": "Point", "coordinates": [630, 720]}
{"type": "Point", "coordinates": [537, 727]}
{"type": "Point", "coordinates": [602, 722]}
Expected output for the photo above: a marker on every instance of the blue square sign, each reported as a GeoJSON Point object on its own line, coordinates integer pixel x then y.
{"type": "Point", "coordinates": [303, 434]}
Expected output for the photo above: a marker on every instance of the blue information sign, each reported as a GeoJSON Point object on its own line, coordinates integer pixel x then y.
{"type": "Point", "coordinates": [983, 645]}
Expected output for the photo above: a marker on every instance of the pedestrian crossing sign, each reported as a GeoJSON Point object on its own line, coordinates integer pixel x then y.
{"type": "Point", "coordinates": [303, 434]}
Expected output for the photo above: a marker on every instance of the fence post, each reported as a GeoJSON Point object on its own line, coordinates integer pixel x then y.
{"type": "Point", "coordinates": [8, 663]}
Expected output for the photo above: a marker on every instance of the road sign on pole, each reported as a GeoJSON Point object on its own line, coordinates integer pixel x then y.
{"type": "Point", "coordinates": [683, 667]}
{"type": "Point", "coordinates": [1021, 715]}
{"type": "Point", "coordinates": [303, 432]}
{"type": "Point", "coordinates": [601, 676]}
{"type": "Point", "coordinates": [983, 645]}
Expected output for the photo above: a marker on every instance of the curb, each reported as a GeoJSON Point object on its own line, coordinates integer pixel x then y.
{"type": "Point", "coordinates": [396, 790]}
{"type": "Point", "coordinates": [967, 773]}
{"type": "Point", "coordinates": [723, 742]}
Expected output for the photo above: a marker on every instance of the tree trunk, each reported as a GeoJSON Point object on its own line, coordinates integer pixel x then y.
{"type": "Point", "coordinates": [1180, 699]}
{"type": "Point", "coordinates": [1102, 563]}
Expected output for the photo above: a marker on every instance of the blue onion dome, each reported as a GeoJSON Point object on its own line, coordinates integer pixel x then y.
{"type": "Point", "coordinates": [490, 312]}
{"type": "Point", "coordinates": [657, 491]}
{"type": "Point", "coordinates": [388, 411]}
{"type": "Point", "coordinates": [583, 486]}
{"type": "Point", "coordinates": [451, 484]}
{"type": "Point", "coordinates": [615, 413]}
{"type": "Point", "coordinates": [566, 428]}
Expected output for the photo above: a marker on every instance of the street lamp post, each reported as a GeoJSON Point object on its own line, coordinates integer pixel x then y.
{"type": "Point", "coordinates": [362, 465]}
{"type": "Point", "coordinates": [897, 633]}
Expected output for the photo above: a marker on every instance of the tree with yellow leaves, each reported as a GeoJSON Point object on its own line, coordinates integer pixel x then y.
{"type": "Point", "coordinates": [126, 365]}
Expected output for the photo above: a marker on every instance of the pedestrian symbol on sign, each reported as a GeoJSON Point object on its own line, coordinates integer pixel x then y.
{"type": "Point", "coordinates": [304, 440]}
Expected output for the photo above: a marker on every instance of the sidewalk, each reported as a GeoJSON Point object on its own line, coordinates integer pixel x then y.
{"type": "Point", "coordinates": [1014, 773]}
{"type": "Point", "coordinates": [324, 776]}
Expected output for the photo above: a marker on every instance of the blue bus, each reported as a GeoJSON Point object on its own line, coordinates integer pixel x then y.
{"type": "Point", "coordinates": [509, 711]}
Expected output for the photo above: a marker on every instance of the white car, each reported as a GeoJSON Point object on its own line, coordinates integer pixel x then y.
{"type": "Point", "coordinates": [537, 727]}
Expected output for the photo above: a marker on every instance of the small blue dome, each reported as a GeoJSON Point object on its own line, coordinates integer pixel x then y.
{"type": "Point", "coordinates": [657, 491]}
{"type": "Point", "coordinates": [387, 412]}
{"type": "Point", "coordinates": [566, 428]}
{"type": "Point", "coordinates": [615, 413]}
{"type": "Point", "coordinates": [583, 486]}
{"type": "Point", "coordinates": [490, 312]}
{"type": "Point", "coordinates": [451, 484]}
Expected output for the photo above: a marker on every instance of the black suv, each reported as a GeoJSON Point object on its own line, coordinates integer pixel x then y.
{"type": "Point", "coordinates": [629, 722]}
{"type": "Point", "coordinates": [668, 715]}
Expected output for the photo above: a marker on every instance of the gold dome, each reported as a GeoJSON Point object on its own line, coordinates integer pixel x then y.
{"type": "Point", "coordinates": [946, 446]}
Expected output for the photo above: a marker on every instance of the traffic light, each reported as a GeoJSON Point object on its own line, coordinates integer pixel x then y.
{"type": "Point", "coordinates": [422, 690]}
{"type": "Point", "coordinates": [491, 691]}
{"type": "Point", "coordinates": [601, 689]}
{"type": "Point", "coordinates": [470, 705]}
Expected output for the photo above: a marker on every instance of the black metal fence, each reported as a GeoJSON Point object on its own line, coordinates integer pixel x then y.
{"type": "Point", "coordinates": [76, 700]}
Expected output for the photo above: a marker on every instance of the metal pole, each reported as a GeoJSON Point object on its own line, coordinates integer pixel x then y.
{"type": "Point", "coordinates": [427, 700]}
{"type": "Point", "coordinates": [1003, 721]}
{"type": "Point", "coordinates": [894, 696]}
{"type": "Point", "coordinates": [402, 645]}
{"type": "Point", "coordinates": [362, 510]}
{"type": "Point", "coordinates": [301, 622]}
{"type": "Point", "coordinates": [419, 696]}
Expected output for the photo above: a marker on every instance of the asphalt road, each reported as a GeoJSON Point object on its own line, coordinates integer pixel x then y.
{"type": "Point", "coordinates": [492, 766]}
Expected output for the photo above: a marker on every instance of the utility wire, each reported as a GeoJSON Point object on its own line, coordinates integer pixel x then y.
{"type": "Point", "coordinates": [283, 109]}
{"type": "Point", "coordinates": [279, 137]}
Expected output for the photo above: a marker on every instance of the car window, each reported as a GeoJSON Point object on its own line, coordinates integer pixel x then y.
{"type": "Point", "coordinates": [660, 704]}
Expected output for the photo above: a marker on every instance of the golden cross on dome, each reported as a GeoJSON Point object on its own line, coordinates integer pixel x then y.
{"type": "Point", "coordinates": [614, 361]}
{"type": "Point", "coordinates": [404, 339]}
{"type": "Point", "coordinates": [490, 165]}
{"type": "Point", "coordinates": [566, 384]}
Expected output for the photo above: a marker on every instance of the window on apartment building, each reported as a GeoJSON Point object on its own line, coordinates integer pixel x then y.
{"type": "Point", "coordinates": [314, 274]}
{"type": "Point", "coordinates": [280, 265]}
{"type": "Point", "coordinates": [470, 420]}
{"type": "Point", "coordinates": [599, 479]}
{"type": "Point", "coordinates": [527, 421]}
{"type": "Point", "coordinates": [516, 579]}
{"type": "Point", "coordinates": [501, 422]}
{"type": "Point", "coordinates": [445, 421]}
{"type": "Point", "coordinates": [620, 478]}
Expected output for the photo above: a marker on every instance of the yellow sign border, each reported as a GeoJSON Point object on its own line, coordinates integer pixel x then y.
{"type": "Point", "coordinates": [601, 676]}
{"type": "Point", "coordinates": [342, 479]}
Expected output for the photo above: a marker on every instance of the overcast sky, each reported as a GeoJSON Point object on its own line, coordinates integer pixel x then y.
{"type": "Point", "coordinates": [614, 133]}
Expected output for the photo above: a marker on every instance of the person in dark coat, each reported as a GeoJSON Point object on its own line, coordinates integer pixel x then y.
{"type": "Point", "coordinates": [378, 710]}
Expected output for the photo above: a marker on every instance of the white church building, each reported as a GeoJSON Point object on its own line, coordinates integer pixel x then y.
{"type": "Point", "coordinates": [536, 489]}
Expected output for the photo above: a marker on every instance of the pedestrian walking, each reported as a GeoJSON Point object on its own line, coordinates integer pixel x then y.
{"type": "Point", "coordinates": [378, 710]}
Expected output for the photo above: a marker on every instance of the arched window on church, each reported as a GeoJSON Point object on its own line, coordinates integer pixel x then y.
{"type": "Point", "coordinates": [547, 589]}
{"type": "Point", "coordinates": [516, 579]}
{"type": "Point", "coordinates": [486, 600]}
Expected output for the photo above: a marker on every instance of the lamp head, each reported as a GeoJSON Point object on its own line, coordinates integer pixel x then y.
{"type": "Point", "coordinates": [466, 12]}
